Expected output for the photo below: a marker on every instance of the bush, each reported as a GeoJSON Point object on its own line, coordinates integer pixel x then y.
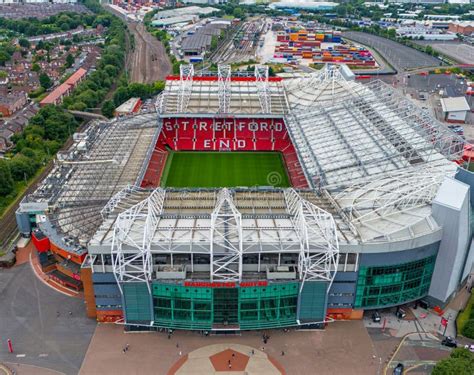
{"type": "Point", "coordinates": [468, 329]}
{"type": "Point", "coordinates": [460, 362]}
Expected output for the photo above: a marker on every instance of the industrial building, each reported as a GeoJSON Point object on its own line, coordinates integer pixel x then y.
{"type": "Point", "coordinates": [377, 214]}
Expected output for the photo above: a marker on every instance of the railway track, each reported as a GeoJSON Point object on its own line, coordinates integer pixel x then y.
{"type": "Point", "coordinates": [243, 44]}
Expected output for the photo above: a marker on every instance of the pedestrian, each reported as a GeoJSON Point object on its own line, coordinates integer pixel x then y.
{"type": "Point", "coordinates": [228, 362]}
{"type": "Point", "coordinates": [282, 353]}
{"type": "Point", "coordinates": [180, 353]}
{"type": "Point", "coordinates": [233, 354]}
{"type": "Point", "coordinates": [70, 313]}
{"type": "Point", "coordinates": [169, 336]}
{"type": "Point", "coordinates": [123, 350]}
{"type": "Point", "coordinates": [126, 347]}
{"type": "Point", "coordinates": [263, 348]}
{"type": "Point", "coordinates": [57, 314]}
{"type": "Point", "coordinates": [253, 352]}
{"type": "Point", "coordinates": [230, 365]}
{"type": "Point", "coordinates": [177, 345]}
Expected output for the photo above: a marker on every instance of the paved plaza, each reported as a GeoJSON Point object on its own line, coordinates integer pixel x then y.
{"type": "Point", "coordinates": [334, 350]}
{"type": "Point", "coordinates": [29, 317]}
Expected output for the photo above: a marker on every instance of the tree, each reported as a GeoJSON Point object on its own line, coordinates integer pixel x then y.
{"type": "Point", "coordinates": [24, 43]}
{"type": "Point", "coordinates": [108, 108]}
{"type": "Point", "coordinates": [468, 329]}
{"type": "Point", "coordinates": [6, 180]}
{"type": "Point", "coordinates": [21, 167]}
{"type": "Point", "coordinates": [238, 13]}
{"type": "Point", "coordinates": [35, 67]}
{"type": "Point", "coordinates": [460, 362]}
{"type": "Point", "coordinates": [214, 41]}
{"type": "Point", "coordinates": [4, 57]}
{"type": "Point", "coordinates": [121, 94]}
{"type": "Point", "coordinates": [69, 60]}
{"type": "Point", "coordinates": [3, 74]}
{"type": "Point", "coordinates": [45, 81]}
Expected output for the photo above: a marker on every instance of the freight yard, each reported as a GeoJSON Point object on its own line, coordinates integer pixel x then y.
{"type": "Point", "coordinates": [243, 45]}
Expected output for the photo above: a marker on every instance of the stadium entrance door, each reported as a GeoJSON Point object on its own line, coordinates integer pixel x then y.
{"type": "Point", "coordinates": [226, 306]}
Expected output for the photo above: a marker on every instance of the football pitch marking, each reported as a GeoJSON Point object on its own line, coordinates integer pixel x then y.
{"type": "Point", "coordinates": [194, 169]}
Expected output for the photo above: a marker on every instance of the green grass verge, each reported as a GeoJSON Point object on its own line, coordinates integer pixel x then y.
{"type": "Point", "coordinates": [224, 169]}
{"type": "Point", "coordinates": [463, 316]}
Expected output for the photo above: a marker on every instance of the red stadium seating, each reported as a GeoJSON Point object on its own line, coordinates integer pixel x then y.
{"type": "Point", "coordinates": [219, 134]}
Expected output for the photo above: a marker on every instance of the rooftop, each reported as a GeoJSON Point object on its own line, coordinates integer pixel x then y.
{"type": "Point", "coordinates": [454, 104]}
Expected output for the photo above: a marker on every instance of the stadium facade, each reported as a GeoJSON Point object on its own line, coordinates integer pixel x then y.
{"type": "Point", "coordinates": [377, 215]}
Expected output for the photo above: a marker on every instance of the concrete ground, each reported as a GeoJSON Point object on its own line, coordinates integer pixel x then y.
{"type": "Point", "coordinates": [461, 52]}
{"type": "Point", "coordinates": [28, 316]}
{"type": "Point", "coordinates": [398, 55]}
{"type": "Point", "coordinates": [335, 350]}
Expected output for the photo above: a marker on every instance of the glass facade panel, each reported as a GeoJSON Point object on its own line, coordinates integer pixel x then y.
{"type": "Point", "coordinates": [181, 307]}
{"type": "Point", "coordinates": [381, 286]}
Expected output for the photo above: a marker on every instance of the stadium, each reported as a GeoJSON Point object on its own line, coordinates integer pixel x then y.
{"type": "Point", "coordinates": [252, 202]}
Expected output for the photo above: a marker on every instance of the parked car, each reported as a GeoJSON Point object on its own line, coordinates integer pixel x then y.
{"type": "Point", "coordinates": [401, 313]}
{"type": "Point", "coordinates": [449, 342]}
{"type": "Point", "coordinates": [398, 370]}
{"type": "Point", "coordinates": [469, 347]}
{"type": "Point", "coordinates": [376, 317]}
{"type": "Point", "coordinates": [456, 129]}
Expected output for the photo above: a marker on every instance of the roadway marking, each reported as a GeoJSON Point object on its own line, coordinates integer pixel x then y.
{"type": "Point", "coordinates": [21, 355]}
{"type": "Point", "coordinates": [43, 355]}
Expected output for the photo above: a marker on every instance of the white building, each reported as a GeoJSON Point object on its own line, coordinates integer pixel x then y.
{"type": "Point", "coordinates": [455, 109]}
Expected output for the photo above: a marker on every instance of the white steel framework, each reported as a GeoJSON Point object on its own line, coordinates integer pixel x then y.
{"type": "Point", "coordinates": [132, 237]}
{"type": "Point", "coordinates": [186, 73]}
{"type": "Point", "coordinates": [224, 73]}
{"type": "Point", "coordinates": [398, 199]}
{"type": "Point", "coordinates": [261, 76]}
{"type": "Point", "coordinates": [319, 254]}
{"type": "Point", "coordinates": [348, 132]}
{"type": "Point", "coordinates": [226, 239]}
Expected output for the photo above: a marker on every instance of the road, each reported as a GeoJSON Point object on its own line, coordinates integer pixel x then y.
{"type": "Point", "coordinates": [148, 61]}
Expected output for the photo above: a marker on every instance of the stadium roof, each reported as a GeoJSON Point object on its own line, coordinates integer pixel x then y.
{"type": "Point", "coordinates": [375, 162]}
{"type": "Point", "coordinates": [226, 94]}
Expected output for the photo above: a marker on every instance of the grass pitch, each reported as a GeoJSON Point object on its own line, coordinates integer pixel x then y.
{"type": "Point", "coordinates": [224, 169]}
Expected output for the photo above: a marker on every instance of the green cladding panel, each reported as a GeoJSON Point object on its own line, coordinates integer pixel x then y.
{"type": "Point", "coordinates": [312, 304]}
{"type": "Point", "coordinates": [137, 303]}
{"type": "Point", "coordinates": [186, 307]}
{"type": "Point", "coordinates": [182, 307]}
{"type": "Point", "coordinates": [268, 307]}
{"type": "Point", "coordinates": [383, 286]}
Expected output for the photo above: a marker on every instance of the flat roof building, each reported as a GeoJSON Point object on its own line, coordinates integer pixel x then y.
{"type": "Point", "coordinates": [455, 109]}
{"type": "Point", "coordinates": [131, 106]}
